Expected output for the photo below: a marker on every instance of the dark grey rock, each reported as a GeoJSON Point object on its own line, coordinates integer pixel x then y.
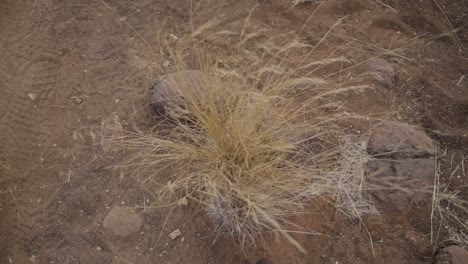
{"type": "Point", "coordinates": [166, 90]}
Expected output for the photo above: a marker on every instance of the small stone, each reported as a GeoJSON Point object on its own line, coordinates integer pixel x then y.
{"type": "Point", "coordinates": [383, 71]}
{"type": "Point", "coordinates": [175, 234]}
{"type": "Point", "coordinates": [116, 101]}
{"type": "Point", "coordinates": [417, 239]}
{"type": "Point", "coordinates": [32, 96]}
{"type": "Point", "coordinates": [182, 239]}
{"type": "Point", "coordinates": [98, 248]}
{"type": "Point", "coordinates": [452, 255]}
{"type": "Point", "coordinates": [166, 63]}
{"type": "Point", "coordinates": [182, 202]}
{"type": "Point", "coordinates": [123, 221]}
{"type": "Point", "coordinates": [399, 139]}
{"type": "Point", "coordinates": [78, 100]}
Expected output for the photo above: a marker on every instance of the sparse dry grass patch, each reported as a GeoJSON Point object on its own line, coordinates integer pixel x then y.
{"type": "Point", "coordinates": [449, 208]}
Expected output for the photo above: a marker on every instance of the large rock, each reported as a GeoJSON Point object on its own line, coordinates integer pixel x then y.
{"type": "Point", "coordinates": [402, 183]}
{"type": "Point", "coordinates": [452, 255]}
{"type": "Point", "coordinates": [383, 71]}
{"type": "Point", "coordinates": [123, 221]}
{"type": "Point", "coordinates": [402, 171]}
{"type": "Point", "coordinates": [399, 140]}
{"type": "Point", "coordinates": [166, 91]}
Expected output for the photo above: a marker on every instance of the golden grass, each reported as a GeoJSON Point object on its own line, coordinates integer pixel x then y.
{"type": "Point", "coordinates": [255, 137]}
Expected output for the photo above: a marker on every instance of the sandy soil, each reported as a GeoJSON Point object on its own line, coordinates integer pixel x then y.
{"type": "Point", "coordinates": [68, 68]}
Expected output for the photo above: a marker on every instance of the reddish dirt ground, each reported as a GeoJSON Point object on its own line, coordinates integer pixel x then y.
{"type": "Point", "coordinates": [68, 67]}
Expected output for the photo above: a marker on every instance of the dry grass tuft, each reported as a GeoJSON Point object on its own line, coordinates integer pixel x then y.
{"type": "Point", "coordinates": [255, 138]}
{"type": "Point", "coordinates": [449, 209]}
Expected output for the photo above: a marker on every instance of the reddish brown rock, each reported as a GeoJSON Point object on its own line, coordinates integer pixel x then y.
{"type": "Point", "coordinates": [166, 91]}
{"type": "Point", "coordinates": [399, 140]}
{"type": "Point", "coordinates": [452, 255]}
{"type": "Point", "coordinates": [402, 183]}
{"type": "Point", "coordinates": [122, 221]}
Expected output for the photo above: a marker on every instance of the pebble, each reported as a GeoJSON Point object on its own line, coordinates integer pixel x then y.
{"type": "Point", "coordinates": [78, 100]}
{"type": "Point", "coordinates": [182, 202]}
{"type": "Point", "coordinates": [32, 96]}
{"type": "Point", "coordinates": [123, 221]}
{"type": "Point", "coordinates": [175, 234]}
